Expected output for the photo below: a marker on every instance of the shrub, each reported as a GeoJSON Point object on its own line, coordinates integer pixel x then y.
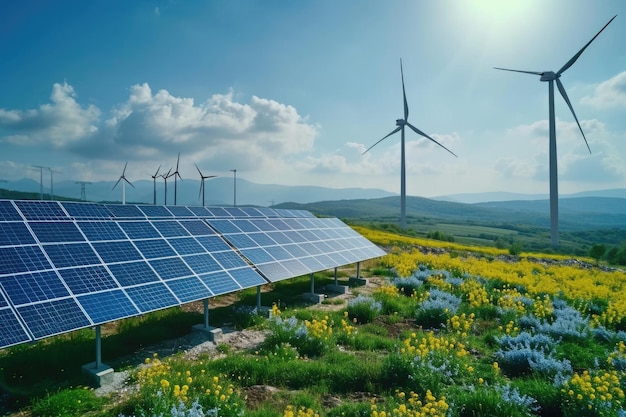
{"type": "Point", "coordinates": [364, 309]}
{"type": "Point", "coordinates": [524, 354]}
{"type": "Point", "coordinates": [70, 402]}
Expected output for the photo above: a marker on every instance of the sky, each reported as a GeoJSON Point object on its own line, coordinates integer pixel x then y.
{"type": "Point", "coordinates": [293, 92]}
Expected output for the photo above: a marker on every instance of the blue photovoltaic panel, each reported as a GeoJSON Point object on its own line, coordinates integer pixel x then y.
{"type": "Point", "coordinates": [3, 301]}
{"type": "Point", "coordinates": [56, 232]}
{"type": "Point", "coordinates": [197, 227]}
{"type": "Point", "coordinates": [8, 212]}
{"type": "Point", "coordinates": [154, 248]}
{"type": "Point", "coordinates": [152, 297]}
{"type": "Point", "coordinates": [186, 246]}
{"type": "Point", "coordinates": [11, 332]}
{"type": "Point", "coordinates": [261, 239]}
{"type": "Point", "coordinates": [22, 259]}
{"type": "Point", "coordinates": [180, 211]}
{"type": "Point", "coordinates": [200, 211]}
{"type": "Point", "coordinates": [139, 230]}
{"type": "Point", "coordinates": [202, 264]}
{"type": "Point", "coordinates": [241, 241]}
{"type": "Point", "coordinates": [170, 228]}
{"type": "Point", "coordinates": [310, 248]}
{"type": "Point", "coordinates": [213, 243]}
{"type": "Point", "coordinates": [125, 211]}
{"type": "Point", "coordinates": [169, 268]}
{"type": "Point", "coordinates": [88, 279]}
{"type": "Point", "coordinates": [274, 271]}
{"type": "Point", "coordinates": [189, 289]}
{"type": "Point", "coordinates": [235, 212]}
{"type": "Point", "coordinates": [252, 211]}
{"type": "Point", "coordinates": [107, 306]}
{"type": "Point", "coordinates": [257, 256]}
{"type": "Point", "coordinates": [100, 230]}
{"type": "Point", "coordinates": [278, 253]}
{"type": "Point", "coordinates": [86, 210]}
{"type": "Point", "coordinates": [155, 211]}
{"type": "Point", "coordinates": [294, 224]}
{"type": "Point", "coordinates": [53, 317]}
{"type": "Point", "coordinates": [295, 267]}
{"type": "Point", "coordinates": [295, 236]}
{"type": "Point", "coordinates": [220, 282]}
{"type": "Point", "coordinates": [263, 225]}
{"type": "Point", "coordinates": [33, 287]}
{"type": "Point", "coordinates": [41, 210]}
{"type": "Point", "coordinates": [296, 251]}
{"type": "Point", "coordinates": [133, 273]}
{"type": "Point", "coordinates": [15, 234]}
{"type": "Point", "coordinates": [224, 226]}
{"type": "Point", "coordinates": [120, 251]}
{"type": "Point", "coordinates": [266, 212]}
{"type": "Point", "coordinates": [312, 263]}
{"type": "Point", "coordinates": [71, 254]}
{"type": "Point", "coordinates": [279, 224]}
{"type": "Point", "coordinates": [279, 237]}
{"type": "Point", "coordinates": [247, 277]}
{"type": "Point", "coordinates": [245, 225]}
{"type": "Point", "coordinates": [218, 212]}
{"type": "Point", "coordinates": [229, 260]}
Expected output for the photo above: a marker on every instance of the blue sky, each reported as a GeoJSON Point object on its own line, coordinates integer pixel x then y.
{"type": "Point", "coordinates": [292, 92]}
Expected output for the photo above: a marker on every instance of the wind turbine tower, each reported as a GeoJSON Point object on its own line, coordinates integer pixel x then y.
{"type": "Point", "coordinates": [176, 174]}
{"type": "Point", "coordinates": [123, 179]}
{"type": "Point", "coordinates": [202, 178]}
{"type": "Point", "coordinates": [165, 176]}
{"type": "Point", "coordinates": [550, 77]}
{"type": "Point", "coordinates": [401, 123]}
{"type": "Point", "coordinates": [40, 168]}
{"type": "Point", "coordinates": [154, 177]}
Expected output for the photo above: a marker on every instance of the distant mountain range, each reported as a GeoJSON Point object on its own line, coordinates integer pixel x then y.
{"type": "Point", "coordinates": [587, 210]}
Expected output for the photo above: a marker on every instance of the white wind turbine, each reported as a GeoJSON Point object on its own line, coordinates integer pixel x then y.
{"type": "Point", "coordinates": [202, 178]}
{"type": "Point", "coordinates": [401, 123]}
{"type": "Point", "coordinates": [154, 177]}
{"type": "Point", "coordinates": [123, 179]}
{"type": "Point", "coordinates": [551, 77]}
{"type": "Point", "coordinates": [176, 174]}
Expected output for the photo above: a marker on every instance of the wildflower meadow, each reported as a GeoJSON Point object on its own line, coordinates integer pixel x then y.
{"type": "Point", "coordinates": [455, 332]}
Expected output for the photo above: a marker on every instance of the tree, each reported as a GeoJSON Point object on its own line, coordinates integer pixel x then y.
{"type": "Point", "coordinates": [597, 251]}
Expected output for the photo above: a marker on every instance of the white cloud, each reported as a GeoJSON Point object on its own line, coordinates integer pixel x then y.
{"type": "Point", "coordinates": [57, 124]}
{"type": "Point", "coordinates": [608, 94]}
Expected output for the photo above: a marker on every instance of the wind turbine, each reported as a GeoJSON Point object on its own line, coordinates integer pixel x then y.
{"type": "Point", "coordinates": [176, 174]}
{"type": "Point", "coordinates": [401, 123]}
{"type": "Point", "coordinates": [202, 178]}
{"type": "Point", "coordinates": [165, 176]}
{"type": "Point", "coordinates": [123, 177]}
{"type": "Point", "coordinates": [154, 177]}
{"type": "Point", "coordinates": [550, 77]}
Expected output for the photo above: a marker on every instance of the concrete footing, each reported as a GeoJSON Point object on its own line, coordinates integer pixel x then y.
{"type": "Point", "coordinates": [98, 376]}
{"type": "Point", "coordinates": [337, 289]}
{"type": "Point", "coordinates": [359, 282]}
{"type": "Point", "coordinates": [214, 333]}
{"type": "Point", "coordinates": [313, 297]}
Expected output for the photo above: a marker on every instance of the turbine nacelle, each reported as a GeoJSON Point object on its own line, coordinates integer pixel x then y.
{"type": "Point", "coordinates": [549, 76]}
{"type": "Point", "coordinates": [401, 122]}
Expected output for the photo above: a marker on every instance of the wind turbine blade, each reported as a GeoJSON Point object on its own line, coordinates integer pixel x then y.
{"type": "Point", "coordinates": [406, 106]}
{"type": "Point", "coordinates": [199, 172]}
{"type": "Point", "coordinates": [156, 174]}
{"type": "Point", "coordinates": [201, 187]}
{"type": "Point", "coordinates": [177, 161]}
{"type": "Point", "coordinates": [397, 129]}
{"type": "Point", "coordinates": [124, 171]}
{"type": "Point", "coordinates": [419, 132]}
{"type": "Point", "coordinates": [129, 183]}
{"type": "Point", "coordinates": [118, 181]}
{"type": "Point", "coordinates": [575, 57]}
{"type": "Point", "coordinates": [524, 72]}
{"type": "Point", "coordinates": [569, 104]}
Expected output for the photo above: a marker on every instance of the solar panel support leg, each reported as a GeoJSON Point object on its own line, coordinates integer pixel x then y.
{"type": "Point", "coordinates": [258, 297]}
{"type": "Point", "coordinates": [214, 333]}
{"type": "Point", "coordinates": [98, 347]}
{"type": "Point", "coordinates": [311, 296]}
{"type": "Point", "coordinates": [336, 288]}
{"type": "Point", "coordinates": [99, 373]}
{"type": "Point", "coordinates": [357, 280]}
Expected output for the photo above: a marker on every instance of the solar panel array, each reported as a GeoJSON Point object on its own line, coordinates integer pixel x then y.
{"type": "Point", "coordinates": [66, 265]}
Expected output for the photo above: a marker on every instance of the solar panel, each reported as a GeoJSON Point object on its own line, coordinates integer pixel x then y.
{"type": "Point", "coordinates": [68, 265]}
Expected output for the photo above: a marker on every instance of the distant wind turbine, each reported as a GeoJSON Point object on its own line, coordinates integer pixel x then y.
{"type": "Point", "coordinates": [551, 77]}
{"type": "Point", "coordinates": [176, 174]}
{"type": "Point", "coordinates": [123, 179]}
{"type": "Point", "coordinates": [401, 123]}
{"type": "Point", "coordinates": [154, 177]}
{"type": "Point", "coordinates": [165, 176]}
{"type": "Point", "coordinates": [202, 178]}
